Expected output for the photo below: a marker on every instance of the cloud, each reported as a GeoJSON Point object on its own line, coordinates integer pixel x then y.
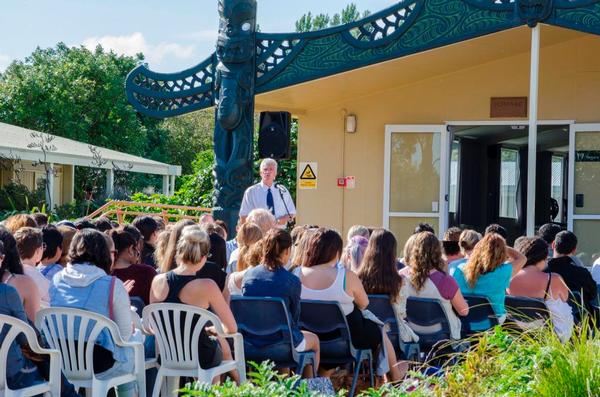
{"type": "Point", "coordinates": [5, 60]}
{"type": "Point", "coordinates": [136, 42]}
{"type": "Point", "coordinates": [201, 36]}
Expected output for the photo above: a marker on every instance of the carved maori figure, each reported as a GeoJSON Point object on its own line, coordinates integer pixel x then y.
{"type": "Point", "coordinates": [234, 112]}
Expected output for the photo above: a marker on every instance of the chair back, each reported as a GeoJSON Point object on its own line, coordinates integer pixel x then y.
{"type": "Point", "coordinates": [327, 320]}
{"type": "Point", "coordinates": [481, 315]}
{"type": "Point", "coordinates": [74, 333]}
{"type": "Point", "coordinates": [427, 318]}
{"type": "Point", "coordinates": [10, 328]}
{"type": "Point", "coordinates": [381, 307]}
{"type": "Point", "coordinates": [523, 310]}
{"type": "Point", "coordinates": [265, 325]}
{"type": "Point", "coordinates": [177, 329]}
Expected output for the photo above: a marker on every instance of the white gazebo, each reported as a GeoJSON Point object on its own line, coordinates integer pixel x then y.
{"type": "Point", "coordinates": [21, 146]}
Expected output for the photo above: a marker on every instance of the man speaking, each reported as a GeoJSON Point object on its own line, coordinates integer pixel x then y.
{"type": "Point", "coordinates": [269, 195]}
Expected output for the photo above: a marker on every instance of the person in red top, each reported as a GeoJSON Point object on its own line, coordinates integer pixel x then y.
{"type": "Point", "coordinates": [126, 267]}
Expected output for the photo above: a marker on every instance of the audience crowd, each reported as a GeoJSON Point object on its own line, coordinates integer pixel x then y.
{"type": "Point", "coordinates": [98, 266]}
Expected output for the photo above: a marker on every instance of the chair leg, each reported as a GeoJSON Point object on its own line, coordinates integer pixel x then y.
{"type": "Point", "coordinates": [354, 378]}
{"type": "Point", "coordinates": [157, 384]}
{"type": "Point", "coordinates": [371, 370]}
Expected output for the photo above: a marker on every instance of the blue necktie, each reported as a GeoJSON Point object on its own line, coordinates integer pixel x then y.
{"type": "Point", "coordinates": [270, 202]}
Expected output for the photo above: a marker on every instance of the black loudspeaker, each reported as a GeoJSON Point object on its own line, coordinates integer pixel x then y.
{"type": "Point", "coordinates": [274, 135]}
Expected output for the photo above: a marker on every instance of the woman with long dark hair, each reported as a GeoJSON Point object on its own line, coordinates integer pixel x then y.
{"type": "Point", "coordinates": [379, 275]}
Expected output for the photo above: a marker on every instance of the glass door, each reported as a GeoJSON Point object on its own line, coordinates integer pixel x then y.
{"type": "Point", "coordinates": [584, 189]}
{"type": "Point", "coordinates": [416, 179]}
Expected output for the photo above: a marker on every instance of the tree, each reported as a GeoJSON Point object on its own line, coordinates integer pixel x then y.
{"type": "Point", "coordinates": [78, 94]}
{"type": "Point", "coordinates": [189, 134]}
{"type": "Point", "coordinates": [350, 13]}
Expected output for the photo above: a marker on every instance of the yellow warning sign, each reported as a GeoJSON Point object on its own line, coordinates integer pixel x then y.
{"type": "Point", "coordinates": [308, 176]}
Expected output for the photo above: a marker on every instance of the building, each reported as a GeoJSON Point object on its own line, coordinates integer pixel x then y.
{"type": "Point", "coordinates": [467, 112]}
{"type": "Point", "coordinates": [20, 154]}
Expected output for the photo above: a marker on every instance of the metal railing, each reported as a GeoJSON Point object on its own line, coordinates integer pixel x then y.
{"type": "Point", "coordinates": [169, 212]}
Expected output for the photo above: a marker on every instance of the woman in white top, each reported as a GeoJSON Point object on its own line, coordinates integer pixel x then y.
{"type": "Point", "coordinates": [249, 258]}
{"type": "Point", "coordinates": [323, 279]}
{"type": "Point", "coordinates": [248, 234]}
{"type": "Point", "coordinates": [427, 279]}
{"type": "Point", "coordinates": [533, 282]}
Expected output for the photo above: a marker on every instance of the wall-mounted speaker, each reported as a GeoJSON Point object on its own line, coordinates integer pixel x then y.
{"type": "Point", "coordinates": [274, 135]}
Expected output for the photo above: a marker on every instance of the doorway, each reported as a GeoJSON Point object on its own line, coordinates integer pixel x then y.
{"type": "Point", "coordinates": [488, 176]}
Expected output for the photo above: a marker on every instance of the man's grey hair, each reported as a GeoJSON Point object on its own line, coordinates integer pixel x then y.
{"type": "Point", "coordinates": [268, 161]}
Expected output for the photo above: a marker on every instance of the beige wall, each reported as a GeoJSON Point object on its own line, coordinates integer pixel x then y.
{"type": "Point", "coordinates": [569, 89]}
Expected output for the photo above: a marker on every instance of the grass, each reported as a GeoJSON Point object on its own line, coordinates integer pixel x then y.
{"type": "Point", "coordinates": [499, 363]}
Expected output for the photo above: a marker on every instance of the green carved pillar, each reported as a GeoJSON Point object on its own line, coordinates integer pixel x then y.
{"type": "Point", "coordinates": [234, 110]}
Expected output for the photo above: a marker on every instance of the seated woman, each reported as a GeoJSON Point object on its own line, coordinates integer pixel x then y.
{"type": "Point", "coordinates": [488, 271]}
{"type": "Point", "coordinates": [427, 279]}
{"type": "Point", "coordinates": [11, 273]}
{"type": "Point", "coordinates": [379, 275]}
{"type": "Point", "coordinates": [271, 279]}
{"type": "Point", "coordinates": [323, 279]}
{"type": "Point", "coordinates": [467, 241]}
{"type": "Point", "coordinates": [533, 282]}
{"type": "Point", "coordinates": [248, 259]}
{"type": "Point", "coordinates": [85, 284]}
{"type": "Point", "coordinates": [248, 234]}
{"type": "Point", "coordinates": [354, 252]}
{"type": "Point", "coordinates": [126, 268]}
{"type": "Point", "coordinates": [21, 372]}
{"type": "Point", "coordinates": [181, 285]}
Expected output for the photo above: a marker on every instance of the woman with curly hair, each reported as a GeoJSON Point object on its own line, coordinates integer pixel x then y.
{"type": "Point", "coordinates": [427, 279]}
{"type": "Point", "coordinates": [489, 270]}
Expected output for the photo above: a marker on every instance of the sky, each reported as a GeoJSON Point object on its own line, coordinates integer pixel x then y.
{"type": "Point", "coordinates": [173, 35]}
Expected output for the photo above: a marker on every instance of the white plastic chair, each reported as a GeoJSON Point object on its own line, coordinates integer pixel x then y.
{"type": "Point", "coordinates": [58, 324]}
{"type": "Point", "coordinates": [179, 350]}
{"type": "Point", "coordinates": [13, 327]}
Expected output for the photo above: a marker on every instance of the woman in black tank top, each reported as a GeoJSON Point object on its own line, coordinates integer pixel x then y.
{"type": "Point", "coordinates": [182, 286]}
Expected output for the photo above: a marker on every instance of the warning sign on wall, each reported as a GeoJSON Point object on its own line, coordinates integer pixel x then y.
{"type": "Point", "coordinates": [307, 178]}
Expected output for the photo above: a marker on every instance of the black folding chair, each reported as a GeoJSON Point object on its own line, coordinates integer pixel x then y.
{"type": "Point", "coordinates": [265, 325]}
{"type": "Point", "coordinates": [381, 307]}
{"type": "Point", "coordinates": [327, 318]}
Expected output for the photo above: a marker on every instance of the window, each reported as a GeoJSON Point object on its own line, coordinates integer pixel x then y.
{"type": "Point", "coordinates": [453, 196]}
{"type": "Point", "coordinates": [509, 181]}
{"type": "Point", "coordinates": [557, 184]}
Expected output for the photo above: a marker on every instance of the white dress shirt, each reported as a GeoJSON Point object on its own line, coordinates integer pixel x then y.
{"type": "Point", "coordinates": [256, 197]}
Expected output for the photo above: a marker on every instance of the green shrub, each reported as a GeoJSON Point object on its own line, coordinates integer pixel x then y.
{"type": "Point", "coordinates": [263, 381]}
{"type": "Point", "coordinates": [499, 363]}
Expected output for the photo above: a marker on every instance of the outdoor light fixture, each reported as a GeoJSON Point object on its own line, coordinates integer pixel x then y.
{"type": "Point", "coordinates": [351, 123]}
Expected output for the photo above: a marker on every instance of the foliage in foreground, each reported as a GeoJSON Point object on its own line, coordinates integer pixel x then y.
{"type": "Point", "coordinates": [501, 363]}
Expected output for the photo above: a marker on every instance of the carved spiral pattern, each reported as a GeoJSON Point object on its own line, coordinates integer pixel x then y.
{"type": "Point", "coordinates": [271, 53]}
{"type": "Point", "coordinates": [163, 95]}
{"type": "Point", "coordinates": [381, 30]}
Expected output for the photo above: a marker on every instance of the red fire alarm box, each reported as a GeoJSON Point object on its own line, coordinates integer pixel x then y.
{"type": "Point", "coordinates": [341, 182]}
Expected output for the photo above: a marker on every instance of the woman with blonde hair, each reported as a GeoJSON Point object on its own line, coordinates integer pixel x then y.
{"type": "Point", "coordinates": [168, 262]}
{"type": "Point", "coordinates": [467, 241]}
{"type": "Point", "coordinates": [182, 286]}
{"type": "Point", "coordinates": [488, 271]}
{"type": "Point", "coordinates": [248, 234]}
